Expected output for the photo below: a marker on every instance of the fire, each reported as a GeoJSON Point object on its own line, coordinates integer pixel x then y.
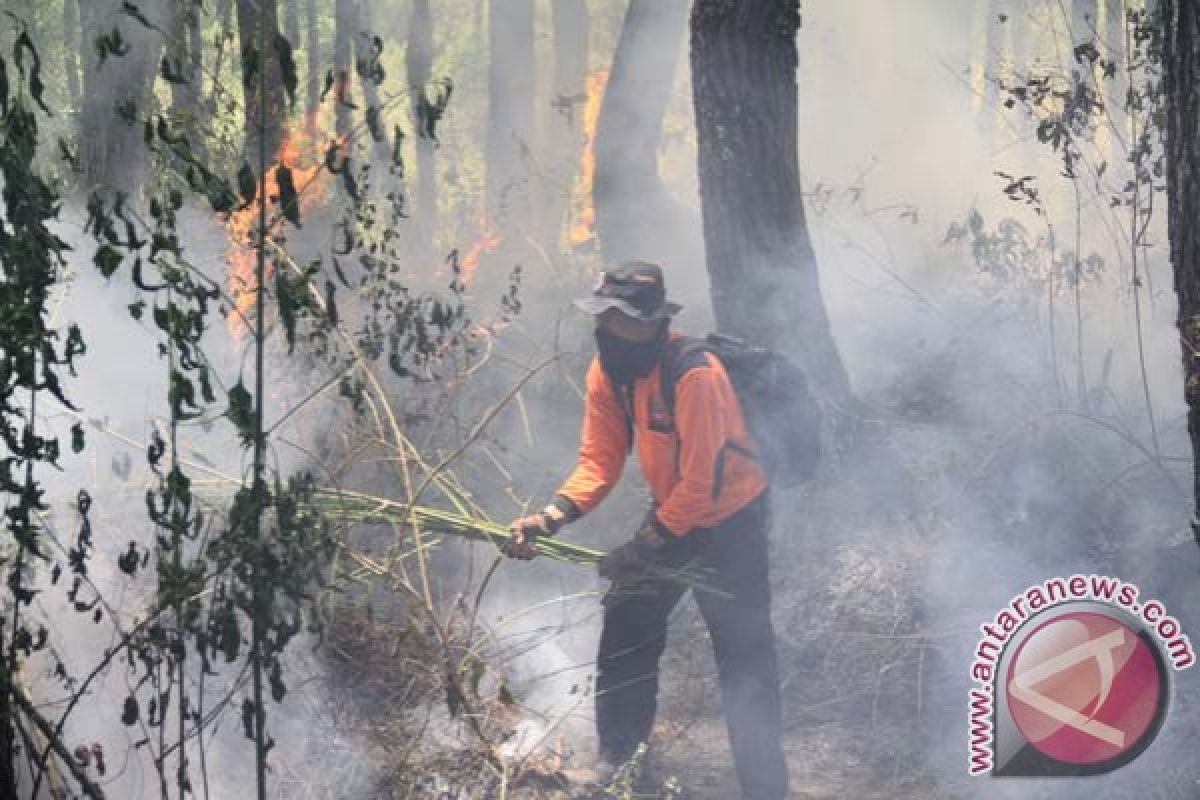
{"type": "Point", "coordinates": [301, 153]}
{"type": "Point", "coordinates": [489, 240]}
{"type": "Point", "coordinates": [583, 212]}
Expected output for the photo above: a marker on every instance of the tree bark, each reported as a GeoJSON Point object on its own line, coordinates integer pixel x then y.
{"type": "Point", "coordinates": [264, 113]}
{"type": "Point", "coordinates": [510, 126]}
{"type": "Point", "coordinates": [419, 65]}
{"type": "Point", "coordinates": [763, 270]}
{"type": "Point", "coordinates": [632, 206]}
{"type": "Point", "coordinates": [110, 145]}
{"type": "Point", "coordinates": [1181, 86]}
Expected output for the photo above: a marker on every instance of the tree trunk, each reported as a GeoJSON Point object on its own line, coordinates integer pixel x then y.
{"type": "Point", "coordinates": [510, 112]}
{"type": "Point", "coordinates": [110, 145]}
{"type": "Point", "coordinates": [563, 125]}
{"type": "Point", "coordinates": [632, 206]}
{"type": "Point", "coordinates": [72, 51]}
{"type": "Point", "coordinates": [763, 271]}
{"type": "Point", "coordinates": [312, 52]}
{"type": "Point", "coordinates": [345, 22]}
{"type": "Point", "coordinates": [1181, 86]}
{"type": "Point", "coordinates": [258, 28]}
{"type": "Point", "coordinates": [419, 65]}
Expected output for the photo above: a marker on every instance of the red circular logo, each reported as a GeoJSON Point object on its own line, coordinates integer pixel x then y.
{"type": "Point", "coordinates": [1084, 688]}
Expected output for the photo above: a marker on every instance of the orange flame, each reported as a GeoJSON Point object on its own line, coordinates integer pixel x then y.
{"type": "Point", "coordinates": [583, 212]}
{"type": "Point", "coordinates": [300, 152]}
{"type": "Point", "coordinates": [489, 240]}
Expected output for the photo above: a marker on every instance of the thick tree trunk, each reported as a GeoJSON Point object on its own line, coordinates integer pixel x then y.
{"type": "Point", "coordinates": [632, 206]}
{"type": "Point", "coordinates": [110, 145]}
{"type": "Point", "coordinates": [563, 124]}
{"type": "Point", "coordinates": [763, 271]}
{"type": "Point", "coordinates": [1181, 85]}
{"type": "Point", "coordinates": [510, 127]}
{"type": "Point", "coordinates": [71, 51]}
{"type": "Point", "coordinates": [312, 52]}
{"type": "Point", "coordinates": [258, 28]}
{"type": "Point", "coordinates": [419, 65]}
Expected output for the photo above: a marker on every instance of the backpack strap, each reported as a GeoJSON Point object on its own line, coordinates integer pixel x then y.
{"type": "Point", "coordinates": [623, 392]}
{"type": "Point", "coordinates": [682, 356]}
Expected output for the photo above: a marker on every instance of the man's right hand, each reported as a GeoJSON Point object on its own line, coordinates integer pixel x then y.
{"type": "Point", "coordinates": [525, 530]}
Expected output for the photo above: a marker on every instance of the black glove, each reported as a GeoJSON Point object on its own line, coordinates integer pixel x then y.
{"type": "Point", "coordinates": [547, 522]}
{"type": "Point", "coordinates": [635, 559]}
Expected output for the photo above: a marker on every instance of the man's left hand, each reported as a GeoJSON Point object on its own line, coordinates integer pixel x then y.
{"type": "Point", "coordinates": [633, 560]}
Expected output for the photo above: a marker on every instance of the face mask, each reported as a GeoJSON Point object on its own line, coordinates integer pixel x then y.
{"type": "Point", "coordinates": [625, 361]}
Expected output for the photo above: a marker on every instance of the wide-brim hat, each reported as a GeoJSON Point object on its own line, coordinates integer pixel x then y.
{"type": "Point", "coordinates": [635, 288]}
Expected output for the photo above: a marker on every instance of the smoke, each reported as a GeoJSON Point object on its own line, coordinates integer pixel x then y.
{"type": "Point", "coordinates": [979, 468]}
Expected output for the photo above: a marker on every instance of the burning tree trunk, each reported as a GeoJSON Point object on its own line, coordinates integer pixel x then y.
{"type": "Point", "coordinates": [1181, 85]}
{"type": "Point", "coordinates": [510, 111]}
{"type": "Point", "coordinates": [419, 64]}
{"type": "Point", "coordinates": [632, 205]}
{"type": "Point", "coordinates": [258, 30]}
{"type": "Point", "coordinates": [116, 94]}
{"type": "Point", "coordinates": [763, 271]}
{"type": "Point", "coordinates": [565, 121]}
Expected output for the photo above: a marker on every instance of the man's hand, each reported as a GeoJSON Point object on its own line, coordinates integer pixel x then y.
{"type": "Point", "coordinates": [633, 560]}
{"type": "Point", "coordinates": [525, 530]}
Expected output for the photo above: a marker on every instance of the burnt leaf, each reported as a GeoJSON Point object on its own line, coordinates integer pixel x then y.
{"type": "Point", "coordinates": [107, 259]}
{"type": "Point", "coordinates": [249, 67]}
{"type": "Point", "coordinates": [129, 716]}
{"type": "Point", "coordinates": [172, 71]}
{"type": "Point", "coordinates": [247, 184]}
{"type": "Point", "coordinates": [287, 67]}
{"type": "Point", "coordinates": [36, 87]}
{"type": "Point", "coordinates": [288, 199]}
{"type": "Point", "coordinates": [241, 412]}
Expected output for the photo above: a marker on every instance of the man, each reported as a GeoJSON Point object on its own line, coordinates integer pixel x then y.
{"type": "Point", "coordinates": [710, 511]}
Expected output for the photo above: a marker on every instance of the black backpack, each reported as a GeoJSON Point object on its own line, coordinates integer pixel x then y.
{"type": "Point", "coordinates": [782, 416]}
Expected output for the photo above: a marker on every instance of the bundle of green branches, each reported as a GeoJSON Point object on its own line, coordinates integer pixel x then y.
{"type": "Point", "coordinates": [358, 508]}
{"type": "Point", "coordinates": [367, 509]}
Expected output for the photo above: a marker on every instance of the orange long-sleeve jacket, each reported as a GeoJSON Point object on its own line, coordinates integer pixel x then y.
{"type": "Point", "coordinates": [697, 478]}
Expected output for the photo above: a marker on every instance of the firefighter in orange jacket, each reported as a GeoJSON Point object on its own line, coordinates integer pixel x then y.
{"type": "Point", "coordinates": [710, 510]}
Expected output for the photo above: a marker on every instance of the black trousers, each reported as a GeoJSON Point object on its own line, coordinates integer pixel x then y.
{"type": "Point", "coordinates": [738, 617]}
